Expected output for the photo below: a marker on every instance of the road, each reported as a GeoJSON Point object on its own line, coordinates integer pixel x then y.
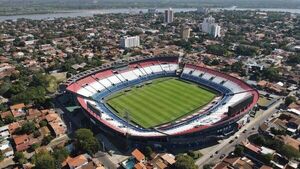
{"type": "Point", "coordinates": [225, 147]}
{"type": "Point", "coordinates": [104, 159]}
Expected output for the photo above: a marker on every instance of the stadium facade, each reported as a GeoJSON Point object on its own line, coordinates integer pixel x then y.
{"type": "Point", "coordinates": [217, 119]}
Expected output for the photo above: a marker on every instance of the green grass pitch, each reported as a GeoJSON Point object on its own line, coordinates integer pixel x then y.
{"type": "Point", "coordinates": [162, 101]}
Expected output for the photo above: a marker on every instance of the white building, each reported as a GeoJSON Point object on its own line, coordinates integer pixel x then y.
{"type": "Point", "coordinates": [169, 15]}
{"type": "Point", "coordinates": [4, 133]}
{"type": "Point", "coordinates": [185, 33]}
{"type": "Point", "coordinates": [6, 148]}
{"type": "Point", "coordinates": [152, 11]}
{"type": "Point", "coordinates": [129, 42]}
{"type": "Point", "coordinates": [202, 10]}
{"type": "Point", "coordinates": [209, 26]}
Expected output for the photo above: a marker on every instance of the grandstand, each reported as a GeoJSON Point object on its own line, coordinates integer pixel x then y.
{"type": "Point", "coordinates": [214, 119]}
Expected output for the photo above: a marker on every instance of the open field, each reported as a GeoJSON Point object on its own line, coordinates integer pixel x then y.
{"type": "Point", "coordinates": [162, 101]}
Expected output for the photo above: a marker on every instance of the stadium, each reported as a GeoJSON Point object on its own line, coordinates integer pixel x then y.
{"type": "Point", "coordinates": [162, 101]}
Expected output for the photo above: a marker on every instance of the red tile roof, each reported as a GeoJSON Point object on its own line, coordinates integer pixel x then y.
{"type": "Point", "coordinates": [138, 155]}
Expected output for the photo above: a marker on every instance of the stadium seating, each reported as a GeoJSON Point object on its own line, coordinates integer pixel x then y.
{"type": "Point", "coordinates": [93, 89]}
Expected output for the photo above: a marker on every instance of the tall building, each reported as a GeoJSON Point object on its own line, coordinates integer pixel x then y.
{"type": "Point", "coordinates": [152, 10]}
{"type": "Point", "coordinates": [209, 26]}
{"type": "Point", "coordinates": [169, 15]}
{"type": "Point", "coordinates": [215, 30]}
{"type": "Point", "coordinates": [185, 32]}
{"type": "Point", "coordinates": [202, 10]}
{"type": "Point", "coordinates": [129, 42]}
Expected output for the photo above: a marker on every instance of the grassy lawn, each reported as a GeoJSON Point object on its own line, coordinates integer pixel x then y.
{"type": "Point", "coordinates": [162, 101]}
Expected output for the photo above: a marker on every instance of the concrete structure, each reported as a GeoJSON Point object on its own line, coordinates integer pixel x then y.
{"type": "Point", "coordinates": [236, 99]}
{"type": "Point", "coordinates": [169, 16]}
{"type": "Point", "coordinates": [6, 148]}
{"type": "Point", "coordinates": [185, 32]}
{"type": "Point", "coordinates": [152, 11]}
{"type": "Point", "coordinates": [129, 42]}
{"type": "Point", "coordinates": [202, 10]}
{"type": "Point", "coordinates": [209, 26]}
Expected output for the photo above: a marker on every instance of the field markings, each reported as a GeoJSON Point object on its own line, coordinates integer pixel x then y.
{"type": "Point", "coordinates": [160, 102]}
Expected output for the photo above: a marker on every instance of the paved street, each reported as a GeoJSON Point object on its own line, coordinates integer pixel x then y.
{"type": "Point", "coordinates": [104, 159]}
{"type": "Point", "coordinates": [225, 147]}
{"type": "Point", "coordinates": [7, 162]}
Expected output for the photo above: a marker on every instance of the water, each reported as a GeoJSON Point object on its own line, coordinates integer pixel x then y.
{"type": "Point", "coordinates": [128, 164]}
{"type": "Point", "coordinates": [85, 13]}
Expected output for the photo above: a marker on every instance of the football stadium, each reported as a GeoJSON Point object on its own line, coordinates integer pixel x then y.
{"type": "Point", "coordinates": [162, 100]}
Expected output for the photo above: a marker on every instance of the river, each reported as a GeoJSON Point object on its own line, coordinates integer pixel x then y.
{"type": "Point", "coordinates": [84, 13]}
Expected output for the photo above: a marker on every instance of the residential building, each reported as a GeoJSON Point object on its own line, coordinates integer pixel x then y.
{"type": "Point", "coordinates": [12, 127]}
{"type": "Point", "coordinates": [6, 148]}
{"type": "Point", "coordinates": [18, 110]}
{"type": "Point", "coordinates": [235, 162]}
{"type": "Point", "coordinates": [77, 162]}
{"type": "Point", "coordinates": [169, 16]}
{"type": "Point", "coordinates": [209, 26]}
{"type": "Point", "coordinates": [4, 132]}
{"type": "Point", "coordinates": [130, 42]}
{"type": "Point", "coordinates": [152, 10]}
{"type": "Point", "coordinates": [202, 10]}
{"type": "Point", "coordinates": [162, 161]}
{"type": "Point", "coordinates": [22, 142]}
{"type": "Point", "coordinates": [185, 33]}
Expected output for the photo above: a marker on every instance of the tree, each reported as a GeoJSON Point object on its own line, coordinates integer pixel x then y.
{"type": "Point", "coordinates": [257, 139]}
{"type": "Point", "coordinates": [44, 160]}
{"type": "Point", "coordinates": [28, 128]}
{"type": "Point", "coordinates": [4, 87]}
{"type": "Point", "coordinates": [34, 146]}
{"type": "Point", "coordinates": [217, 50]}
{"type": "Point", "coordinates": [271, 73]}
{"type": "Point", "coordinates": [19, 158]}
{"type": "Point", "coordinates": [277, 132]}
{"type": "Point", "coordinates": [43, 123]}
{"type": "Point", "coordinates": [148, 151]}
{"type": "Point", "coordinates": [192, 154]}
{"type": "Point", "coordinates": [293, 60]}
{"type": "Point", "coordinates": [246, 50]}
{"type": "Point", "coordinates": [1, 156]}
{"type": "Point", "coordinates": [239, 150]}
{"type": "Point", "coordinates": [289, 100]}
{"type": "Point", "coordinates": [47, 139]}
{"type": "Point", "coordinates": [9, 119]}
{"type": "Point", "coordinates": [85, 141]}
{"type": "Point", "coordinates": [184, 162]}
{"type": "Point", "coordinates": [48, 82]}
{"type": "Point", "coordinates": [60, 155]}
{"type": "Point", "coordinates": [207, 166]}
{"type": "Point", "coordinates": [267, 158]}
{"type": "Point", "coordinates": [289, 152]}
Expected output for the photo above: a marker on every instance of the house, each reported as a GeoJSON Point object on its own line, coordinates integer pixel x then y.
{"type": "Point", "coordinates": [12, 127]}
{"type": "Point", "coordinates": [58, 128]}
{"type": "Point", "coordinates": [33, 114]}
{"type": "Point", "coordinates": [265, 167]}
{"type": "Point", "coordinates": [56, 125]}
{"type": "Point", "coordinates": [21, 142]}
{"type": "Point", "coordinates": [4, 132]}
{"type": "Point", "coordinates": [6, 148]}
{"type": "Point", "coordinates": [139, 156]}
{"type": "Point", "coordinates": [162, 161]}
{"type": "Point", "coordinates": [76, 162]}
{"type": "Point", "coordinates": [5, 114]}
{"type": "Point", "coordinates": [290, 141]}
{"type": "Point", "coordinates": [235, 162]}
{"type": "Point", "coordinates": [52, 117]}
{"type": "Point", "coordinates": [18, 110]}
